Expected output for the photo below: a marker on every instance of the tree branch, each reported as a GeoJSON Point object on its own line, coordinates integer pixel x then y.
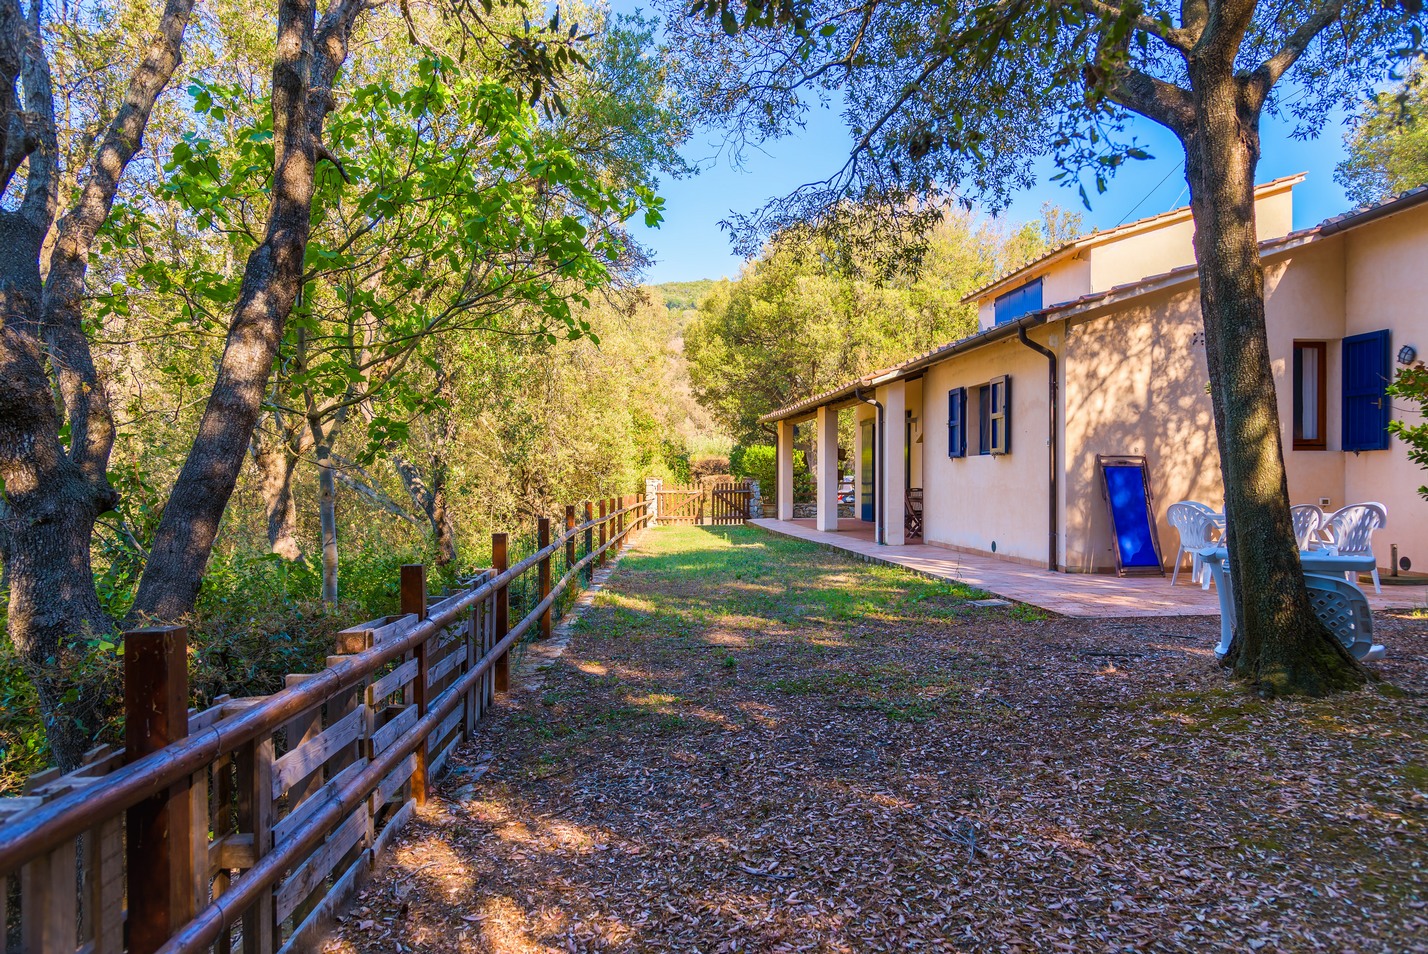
{"type": "Point", "coordinates": [1262, 80]}
{"type": "Point", "coordinates": [41, 184]}
{"type": "Point", "coordinates": [1138, 91]}
{"type": "Point", "coordinates": [86, 402]}
{"type": "Point", "coordinates": [1181, 40]}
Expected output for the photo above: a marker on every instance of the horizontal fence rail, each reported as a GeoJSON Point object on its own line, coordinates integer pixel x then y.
{"type": "Point", "coordinates": [246, 826]}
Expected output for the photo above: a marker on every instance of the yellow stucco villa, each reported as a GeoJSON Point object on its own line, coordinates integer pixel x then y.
{"type": "Point", "coordinates": [1095, 350]}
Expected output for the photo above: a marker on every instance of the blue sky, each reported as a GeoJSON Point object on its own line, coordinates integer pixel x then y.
{"type": "Point", "coordinates": [690, 244]}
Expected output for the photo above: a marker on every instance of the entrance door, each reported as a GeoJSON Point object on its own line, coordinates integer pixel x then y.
{"type": "Point", "coordinates": [865, 450]}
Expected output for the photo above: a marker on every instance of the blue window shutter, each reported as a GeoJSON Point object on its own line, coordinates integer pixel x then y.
{"type": "Point", "coordinates": [1022, 300]}
{"type": "Point", "coordinates": [1366, 360]}
{"type": "Point", "coordinates": [1031, 297]}
{"type": "Point", "coordinates": [956, 422]}
{"type": "Point", "coordinates": [1000, 413]}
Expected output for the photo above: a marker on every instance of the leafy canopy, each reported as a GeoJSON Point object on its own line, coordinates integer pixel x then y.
{"type": "Point", "coordinates": [963, 99]}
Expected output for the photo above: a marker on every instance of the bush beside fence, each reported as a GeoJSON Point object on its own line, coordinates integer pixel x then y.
{"type": "Point", "coordinates": [245, 826]}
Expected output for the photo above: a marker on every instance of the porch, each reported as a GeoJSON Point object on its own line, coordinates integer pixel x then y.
{"type": "Point", "coordinates": [1085, 595]}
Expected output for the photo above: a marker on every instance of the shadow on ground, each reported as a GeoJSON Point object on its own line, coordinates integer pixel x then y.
{"type": "Point", "coordinates": [756, 744]}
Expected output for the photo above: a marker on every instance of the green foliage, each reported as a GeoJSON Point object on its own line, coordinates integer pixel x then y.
{"type": "Point", "coordinates": [759, 462]}
{"type": "Point", "coordinates": [462, 309]}
{"type": "Point", "coordinates": [1388, 142]}
{"type": "Point", "coordinates": [1411, 384]}
{"type": "Point", "coordinates": [683, 296]}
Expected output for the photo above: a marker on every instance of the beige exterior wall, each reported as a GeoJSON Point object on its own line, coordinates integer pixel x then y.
{"type": "Point", "coordinates": [1386, 265]}
{"type": "Point", "coordinates": [1134, 378]}
{"type": "Point", "coordinates": [1136, 253]}
{"type": "Point", "coordinates": [1304, 301]}
{"type": "Point", "coordinates": [976, 501]}
{"type": "Point", "coordinates": [1135, 384]}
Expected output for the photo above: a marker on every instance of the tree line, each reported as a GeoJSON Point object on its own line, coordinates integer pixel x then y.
{"type": "Point", "coordinates": [341, 284]}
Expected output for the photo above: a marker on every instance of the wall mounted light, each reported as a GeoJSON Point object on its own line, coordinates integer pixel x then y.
{"type": "Point", "coordinates": [1406, 354]}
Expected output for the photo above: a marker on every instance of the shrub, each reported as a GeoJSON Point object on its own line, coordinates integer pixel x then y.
{"type": "Point", "coordinates": [711, 466]}
{"type": "Point", "coordinates": [758, 462]}
{"type": "Point", "coordinates": [1412, 385]}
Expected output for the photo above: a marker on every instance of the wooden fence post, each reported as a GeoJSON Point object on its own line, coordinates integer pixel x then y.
{"type": "Point", "coordinates": [569, 537]}
{"type": "Point", "coordinates": [160, 860]}
{"type": "Point", "coordinates": [589, 541]}
{"type": "Point", "coordinates": [543, 572]}
{"type": "Point", "coordinates": [255, 814]}
{"type": "Point", "coordinates": [603, 504]}
{"type": "Point", "coordinates": [413, 601]}
{"type": "Point", "coordinates": [500, 561]}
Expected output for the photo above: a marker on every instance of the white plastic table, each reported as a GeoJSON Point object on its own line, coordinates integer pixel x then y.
{"type": "Point", "coordinates": [1316, 563]}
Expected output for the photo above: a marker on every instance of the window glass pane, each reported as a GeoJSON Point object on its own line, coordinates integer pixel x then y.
{"type": "Point", "coordinates": [984, 420]}
{"type": "Point", "coordinates": [1309, 394]}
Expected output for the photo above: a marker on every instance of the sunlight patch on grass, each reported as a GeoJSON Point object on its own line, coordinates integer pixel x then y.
{"type": "Point", "coordinates": [624, 601]}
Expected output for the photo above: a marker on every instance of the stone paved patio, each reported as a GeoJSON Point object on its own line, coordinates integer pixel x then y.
{"type": "Point", "coordinates": [1085, 595]}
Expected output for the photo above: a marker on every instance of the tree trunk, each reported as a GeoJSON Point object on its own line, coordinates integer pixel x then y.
{"type": "Point", "coordinates": [326, 506]}
{"type": "Point", "coordinates": [443, 526]}
{"type": "Point", "coordinates": [1280, 644]}
{"type": "Point", "coordinates": [430, 499]}
{"type": "Point", "coordinates": [271, 281]}
{"type": "Point", "coordinates": [47, 516]}
{"type": "Point", "coordinates": [276, 464]}
{"type": "Point", "coordinates": [54, 493]}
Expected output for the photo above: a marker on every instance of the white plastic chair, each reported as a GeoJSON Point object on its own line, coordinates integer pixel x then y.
{"type": "Point", "coordinates": [1195, 523]}
{"type": "Point", "coordinates": [1349, 531]}
{"type": "Point", "coordinates": [1344, 609]}
{"type": "Point", "coordinates": [1307, 520]}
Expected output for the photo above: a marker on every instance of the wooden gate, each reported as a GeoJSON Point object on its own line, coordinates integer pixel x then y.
{"type": "Point", "coordinates": [681, 505]}
{"type": "Point", "coordinates": [730, 502]}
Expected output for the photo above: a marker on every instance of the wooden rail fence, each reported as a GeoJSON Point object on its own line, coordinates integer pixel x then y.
{"type": "Point", "coordinates": [245, 827]}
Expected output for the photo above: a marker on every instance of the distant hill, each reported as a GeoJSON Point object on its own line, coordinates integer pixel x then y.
{"type": "Point", "coordinates": [680, 296]}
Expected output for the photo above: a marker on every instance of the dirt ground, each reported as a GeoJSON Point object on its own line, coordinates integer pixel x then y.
{"type": "Point", "coordinates": [753, 744]}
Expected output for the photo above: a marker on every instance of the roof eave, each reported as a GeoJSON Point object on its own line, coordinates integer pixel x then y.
{"type": "Point", "coordinates": [908, 368]}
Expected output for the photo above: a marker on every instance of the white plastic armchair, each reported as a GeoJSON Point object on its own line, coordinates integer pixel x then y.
{"type": "Point", "coordinates": [1307, 520]}
{"type": "Point", "coordinates": [1196, 525]}
{"type": "Point", "coordinates": [1344, 609]}
{"type": "Point", "coordinates": [1349, 532]}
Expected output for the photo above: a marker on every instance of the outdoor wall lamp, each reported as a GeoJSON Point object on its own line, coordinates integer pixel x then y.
{"type": "Point", "coordinates": [1406, 354]}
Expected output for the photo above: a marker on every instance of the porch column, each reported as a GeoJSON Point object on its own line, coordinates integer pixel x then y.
{"type": "Point", "coordinates": [784, 461]}
{"type": "Point", "coordinates": [894, 475]}
{"type": "Point", "coordinates": [827, 469]}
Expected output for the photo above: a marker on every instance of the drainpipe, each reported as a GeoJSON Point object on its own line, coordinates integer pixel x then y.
{"type": "Point", "coordinates": [1052, 392]}
{"type": "Point", "coordinates": [880, 474]}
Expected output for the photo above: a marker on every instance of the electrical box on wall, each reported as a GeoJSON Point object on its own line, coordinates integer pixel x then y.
{"type": "Point", "coordinates": [1323, 501]}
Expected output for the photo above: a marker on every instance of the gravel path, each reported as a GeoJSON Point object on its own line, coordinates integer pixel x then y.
{"type": "Point", "coordinates": [752, 744]}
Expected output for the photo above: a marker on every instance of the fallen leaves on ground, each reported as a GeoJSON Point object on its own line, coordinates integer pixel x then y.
{"type": "Point", "coordinates": [756, 745]}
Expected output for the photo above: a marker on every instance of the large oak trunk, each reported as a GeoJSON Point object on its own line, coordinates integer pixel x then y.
{"type": "Point", "coordinates": [271, 281]}
{"type": "Point", "coordinates": [47, 516]}
{"type": "Point", "coordinates": [1280, 644]}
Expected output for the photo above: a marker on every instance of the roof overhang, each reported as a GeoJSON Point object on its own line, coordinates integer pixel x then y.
{"type": "Point", "coordinates": [1070, 249]}
{"type": "Point", "coordinates": [847, 394]}
{"type": "Point", "coordinates": [1090, 306]}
